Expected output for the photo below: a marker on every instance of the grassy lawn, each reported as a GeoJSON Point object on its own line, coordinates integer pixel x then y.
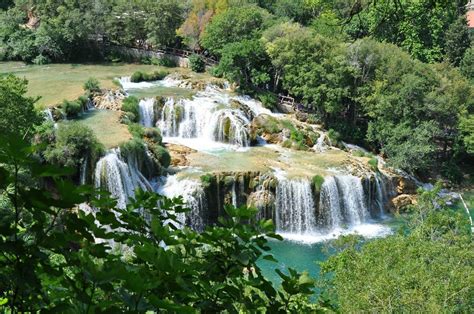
{"type": "Point", "coordinates": [106, 126]}
{"type": "Point", "coordinates": [56, 82]}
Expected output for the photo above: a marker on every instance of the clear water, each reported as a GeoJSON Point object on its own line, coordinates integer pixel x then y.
{"type": "Point", "coordinates": [296, 255]}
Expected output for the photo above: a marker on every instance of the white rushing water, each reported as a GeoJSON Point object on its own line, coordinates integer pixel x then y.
{"type": "Point", "coordinates": [342, 209]}
{"type": "Point", "coordinates": [193, 195]}
{"type": "Point", "coordinates": [147, 114]}
{"type": "Point", "coordinates": [118, 177]}
{"type": "Point", "coordinates": [295, 211]}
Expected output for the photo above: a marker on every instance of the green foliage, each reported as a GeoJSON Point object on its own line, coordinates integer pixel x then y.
{"type": "Point", "coordinates": [232, 26]}
{"type": "Point", "coordinates": [318, 182]}
{"type": "Point", "coordinates": [269, 100]}
{"type": "Point", "coordinates": [130, 105]}
{"type": "Point", "coordinates": [457, 40]}
{"type": "Point", "coordinates": [18, 115]}
{"type": "Point", "coordinates": [207, 179]}
{"type": "Point", "coordinates": [74, 142]}
{"type": "Point", "coordinates": [426, 268]}
{"type": "Point", "coordinates": [161, 154]}
{"type": "Point", "coordinates": [71, 108]}
{"type": "Point", "coordinates": [167, 61]}
{"type": "Point", "coordinates": [246, 63]}
{"type": "Point", "coordinates": [92, 85]}
{"type": "Point", "coordinates": [153, 134]}
{"type": "Point", "coordinates": [146, 77]}
{"type": "Point", "coordinates": [136, 130]}
{"type": "Point", "coordinates": [197, 63]}
{"type": "Point", "coordinates": [374, 163]}
{"type": "Point", "coordinates": [51, 260]}
{"type": "Point", "coordinates": [467, 64]}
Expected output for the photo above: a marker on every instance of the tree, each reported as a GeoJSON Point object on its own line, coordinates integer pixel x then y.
{"type": "Point", "coordinates": [233, 25]}
{"type": "Point", "coordinates": [467, 64]}
{"type": "Point", "coordinates": [425, 268]}
{"type": "Point", "coordinates": [457, 41]}
{"type": "Point", "coordinates": [246, 63]}
{"type": "Point", "coordinates": [165, 17]}
{"type": "Point", "coordinates": [18, 111]}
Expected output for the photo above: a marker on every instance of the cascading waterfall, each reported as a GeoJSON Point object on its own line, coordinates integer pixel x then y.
{"type": "Point", "coordinates": [118, 177]}
{"type": "Point", "coordinates": [342, 202]}
{"type": "Point", "coordinates": [193, 195]}
{"type": "Point", "coordinates": [146, 111]}
{"type": "Point", "coordinates": [295, 210]}
{"type": "Point", "coordinates": [205, 120]}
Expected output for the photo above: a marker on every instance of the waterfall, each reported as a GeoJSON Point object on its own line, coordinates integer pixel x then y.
{"type": "Point", "coordinates": [193, 195]}
{"type": "Point", "coordinates": [342, 201]}
{"type": "Point", "coordinates": [204, 120]}
{"type": "Point", "coordinates": [147, 114]}
{"type": "Point", "coordinates": [295, 210]}
{"type": "Point", "coordinates": [48, 115]}
{"type": "Point", "coordinates": [118, 177]}
{"type": "Point", "coordinates": [83, 171]}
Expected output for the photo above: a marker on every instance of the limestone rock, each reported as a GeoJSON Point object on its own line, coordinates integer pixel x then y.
{"type": "Point", "coordinates": [406, 186]}
{"type": "Point", "coordinates": [110, 99]}
{"type": "Point", "coordinates": [179, 154]}
{"type": "Point", "coordinates": [401, 202]}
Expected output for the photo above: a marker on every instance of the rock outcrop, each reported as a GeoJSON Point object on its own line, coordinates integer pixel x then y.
{"type": "Point", "coordinates": [110, 99]}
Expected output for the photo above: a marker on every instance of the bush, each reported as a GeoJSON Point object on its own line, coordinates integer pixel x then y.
{"type": "Point", "coordinates": [71, 108]}
{"type": "Point", "coordinates": [136, 130]}
{"type": "Point", "coordinates": [128, 118]}
{"type": "Point", "coordinates": [374, 164]}
{"type": "Point", "coordinates": [167, 61]}
{"type": "Point", "coordinates": [206, 180]}
{"type": "Point", "coordinates": [92, 85]}
{"type": "Point", "coordinates": [153, 134]}
{"type": "Point", "coordinates": [40, 60]}
{"type": "Point", "coordinates": [161, 154]}
{"type": "Point", "coordinates": [139, 76]}
{"type": "Point", "coordinates": [130, 104]}
{"type": "Point", "coordinates": [318, 182]}
{"type": "Point", "coordinates": [197, 63]}
{"type": "Point", "coordinates": [334, 136]}
{"type": "Point", "coordinates": [74, 142]}
{"type": "Point", "coordinates": [268, 99]}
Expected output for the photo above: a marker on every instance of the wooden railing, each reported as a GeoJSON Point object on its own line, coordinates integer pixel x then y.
{"type": "Point", "coordinates": [288, 100]}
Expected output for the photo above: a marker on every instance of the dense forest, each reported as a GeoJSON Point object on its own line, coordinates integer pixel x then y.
{"type": "Point", "coordinates": [393, 76]}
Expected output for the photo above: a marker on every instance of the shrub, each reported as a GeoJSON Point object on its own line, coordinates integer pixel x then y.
{"type": "Point", "coordinates": [207, 179]}
{"type": "Point", "coordinates": [334, 136]}
{"type": "Point", "coordinates": [268, 99]}
{"type": "Point", "coordinates": [74, 141]}
{"type": "Point", "coordinates": [318, 182]}
{"type": "Point", "coordinates": [128, 118]}
{"type": "Point", "coordinates": [40, 60]}
{"type": "Point", "coordinates": [167, 61]}
{"type": "Point", "coordinates": [197, 63]}
{"type": "Point", "coordinates": [130, 104]}
{"type": "Point", "coordinates": [136, 130]}
{"type": "Point", "coordinates": [161, 154]}
{"type": "Point", "coordinates": [71, 108]}
{"type": "Point", "coordinates": [139, 76]}
{"type": "Point", "coordinates": [373, 163]}
{"type": "Point", "coordinates": [153, 134]}
{"type": "Point", "coordinates": [92, 85]}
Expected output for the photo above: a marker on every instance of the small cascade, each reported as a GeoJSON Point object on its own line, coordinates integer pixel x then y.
{"type": "Point", "coordinates": [209, 116]}
{"type": "Point", "coordinates": [146, 111]}
{"type": "Point", "coordinates": [342, 202]}
{"type": "Point", "coordinates": [295, 210]}
{"type": "Point", "coordinates": [121, 179]}
{"type": "Point", "coordinates": [321, 145]}
{"type": "Point", "coordinates": [193, 195]}
{"type": "Point", "coordinates": [83, 171]}
{"type": "Point", "coordinates": [48, 115]}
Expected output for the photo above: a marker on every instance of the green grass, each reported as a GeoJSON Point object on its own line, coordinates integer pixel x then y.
{"type": "Point", "coordinates": [56, 82]}
{"type": "Point", "coordinates": [106, 126]}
